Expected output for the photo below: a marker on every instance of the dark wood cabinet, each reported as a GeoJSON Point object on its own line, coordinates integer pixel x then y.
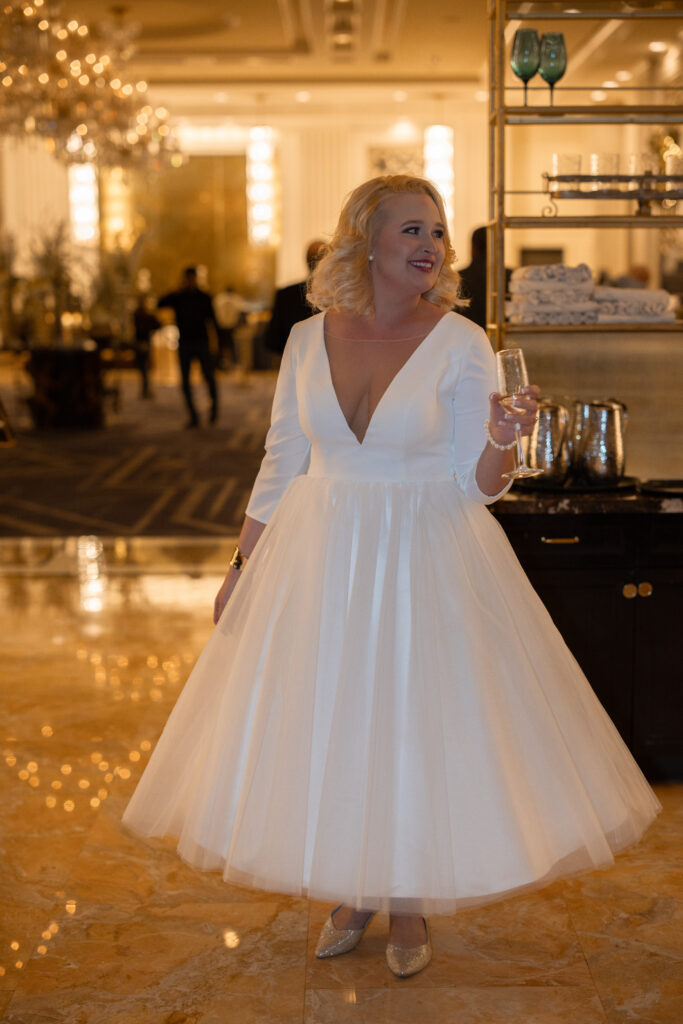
{"type": "Point", "coordinates": [613, 584]}
{"type": "Point", "coordinates": [658, 672]}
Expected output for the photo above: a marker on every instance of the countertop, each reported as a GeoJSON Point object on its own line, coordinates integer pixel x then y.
{"type": "Point", "coordinates": [523, 501]}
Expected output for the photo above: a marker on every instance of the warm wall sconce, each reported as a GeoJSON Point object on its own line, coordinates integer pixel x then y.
{"type": "Point", "coordinates": [84, 204]}
{"type": "Point", "coordinates": [438, 163]}
{"type": "Point", "coordinates": [262, 197]}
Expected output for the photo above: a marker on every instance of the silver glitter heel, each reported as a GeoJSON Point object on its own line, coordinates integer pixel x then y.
{"type": "Point", "coordinates": [404, 962]}
{"type": "Point", "coordinates": [335, 941]}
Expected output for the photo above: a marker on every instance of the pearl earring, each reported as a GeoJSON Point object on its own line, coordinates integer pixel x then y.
{"type": "Point", "coordinates": [370, 258]}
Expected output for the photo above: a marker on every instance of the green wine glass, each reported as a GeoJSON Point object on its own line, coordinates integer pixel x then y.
{"type": "Point", "coordinates": [553, 62]}
{"type": "Point", "coordinates": [526, 55]}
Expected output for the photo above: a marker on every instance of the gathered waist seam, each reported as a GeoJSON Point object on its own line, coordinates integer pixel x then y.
{"type": "Point", "coordinates": [377, 480]}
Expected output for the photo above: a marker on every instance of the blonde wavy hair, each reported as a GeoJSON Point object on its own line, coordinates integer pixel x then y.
{"type": "Point", "coordinates": [342, 280]}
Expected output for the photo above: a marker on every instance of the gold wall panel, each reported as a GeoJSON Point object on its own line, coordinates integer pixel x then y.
{"type": "Point", "coordinates": [197, 214]}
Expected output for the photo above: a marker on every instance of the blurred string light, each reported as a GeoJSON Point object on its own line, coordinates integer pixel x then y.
{"type": "Point", "coordinates": [54, 83]}
{"type": "Point", "coordinates": [438, 163]}
{"type": "Point", "coordinates": [262, 207]}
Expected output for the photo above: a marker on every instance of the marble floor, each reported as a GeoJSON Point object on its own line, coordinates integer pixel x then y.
{"type": "Point", "coordinates": [99, 927]}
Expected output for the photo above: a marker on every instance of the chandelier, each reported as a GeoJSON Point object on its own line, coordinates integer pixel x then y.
{"type": "Point", "coordinates": [56, 84]}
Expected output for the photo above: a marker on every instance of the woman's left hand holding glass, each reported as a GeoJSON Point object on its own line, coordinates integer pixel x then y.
{"type": "Point", "coordinates": [508, 410]}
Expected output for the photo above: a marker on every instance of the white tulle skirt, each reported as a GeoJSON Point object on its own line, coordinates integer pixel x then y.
{"type": "Point", "coordinates": [386, 716]}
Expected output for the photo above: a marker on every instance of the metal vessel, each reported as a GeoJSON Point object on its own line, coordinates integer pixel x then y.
{"type": "Point", "coordinates": [547, 444]}
{"type": "Point", "coordinates": [597, 441]}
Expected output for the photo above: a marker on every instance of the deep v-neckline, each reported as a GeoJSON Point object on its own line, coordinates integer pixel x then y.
{"type": "Point", "coordinates": [360, 442]}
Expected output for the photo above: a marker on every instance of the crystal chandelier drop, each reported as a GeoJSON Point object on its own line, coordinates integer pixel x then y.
{"type": "Point", "coordinates": [55, 83]}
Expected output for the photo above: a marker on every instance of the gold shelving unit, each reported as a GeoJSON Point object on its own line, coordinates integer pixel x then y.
{"type": "Point", "coordinates": [502, 116]}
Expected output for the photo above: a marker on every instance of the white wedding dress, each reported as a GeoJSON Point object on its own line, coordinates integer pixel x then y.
{"type": "Point", "coordinates": [385, 714]}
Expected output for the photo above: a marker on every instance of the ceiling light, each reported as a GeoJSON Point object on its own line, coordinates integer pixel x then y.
{"type": "Point", "coordinates": [624, 76]}
{"type": "Point", "coordinates": [481, 95]}
{"type": "Point", "coordinates": [400, 96]}
{"type": "Point", "coordinates": [404, 131]}
{"type": "Point", "coordinates": [302, 96]}
{"type": "Point", "coordinates": [220, 97]}
{"type": "Point", "coordinates": [610, 85]}
{"type": "Point", "coordinates": [598, 95]}
{"type": "Point", "coordinates": [342, 30]}
{"type": "Point", "coordinates": [658, 46]}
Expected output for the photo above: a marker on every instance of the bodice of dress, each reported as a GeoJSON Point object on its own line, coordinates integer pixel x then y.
{"type": "Point", "coordinates": [362, 370]}
{"type": "Point", "coordinates": [428, 425]}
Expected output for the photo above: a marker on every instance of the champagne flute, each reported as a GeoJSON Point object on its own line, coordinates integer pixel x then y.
{"type": "Point", "coordinates": [526, 55]}
{"type": "Point", "coordinates": [512, 377]}
{"type": "Point", "coordinates": [553, 63]}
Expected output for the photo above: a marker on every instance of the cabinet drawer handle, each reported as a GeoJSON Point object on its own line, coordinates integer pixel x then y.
{"type": "Point", "coordinates": [560, 540]}
{"type": "Point", "coordinates": [645, 589]}
{"type": "Point", "coordinates": [629, 590]}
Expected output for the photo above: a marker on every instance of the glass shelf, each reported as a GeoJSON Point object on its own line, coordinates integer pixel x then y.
{"type": "Point", "coordinates": [607, 221]}
{"type": "Point", "coordinates": [527, 10]}
{"type": "Point", "coordinates": [667, 327]}
{"type": "Point", "coordinates": [667, 113]}
{"type": "Point", "coordinates": [642, 188]}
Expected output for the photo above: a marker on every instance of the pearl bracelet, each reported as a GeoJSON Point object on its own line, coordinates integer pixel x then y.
{"type": "Point", "coordinates": [500, 447]}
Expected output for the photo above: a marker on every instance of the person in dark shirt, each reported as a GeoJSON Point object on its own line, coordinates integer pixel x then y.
{"type": "Point", "coordinates": [290, 305]}
{"type": "Point", "coordinates": [194, 311]}
{"type": "Point", "coordinates": [473, 280]}
{"type": "Point", "coordinates": [145, 324]}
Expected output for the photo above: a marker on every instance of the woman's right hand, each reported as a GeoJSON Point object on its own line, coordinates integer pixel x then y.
{"type": "Point", "coordinates": [247, 541]}
{"type": "Point", "coordinates": [227, 587]}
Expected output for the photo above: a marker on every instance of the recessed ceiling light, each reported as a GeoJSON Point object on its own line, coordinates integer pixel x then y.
{"type": "Point", "coordinates": [303, 96]}
{"type": "Point", "coordinates": [400, 96]}
{"type": "Point", "coordinates": [220, 97]}
{"type": "Point", "coordinates": [598, 95]}
{"type": "Point", "coordinates": [404, 131]}
{"type": "Point", "coordinates": [624, 76]}
{"type": "Point", "coordinates": [658, 46]}
{"type": "Point", "coordinates": [481, 95]}
{"type": "Point", "coordinates": [610, 85]}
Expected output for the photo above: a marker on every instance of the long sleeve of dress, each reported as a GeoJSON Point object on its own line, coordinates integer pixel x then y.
{"type": "Point", "coordinates": [287, 448]}
{"type": "Point", "coordinates": [476, 381]}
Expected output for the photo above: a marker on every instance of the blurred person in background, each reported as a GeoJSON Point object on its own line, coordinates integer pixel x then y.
{"type": "Point", "coordinates": [230, 308]}
{"type": "Point", "coordinates": [145, 323]}
{"type": "Point", "coordinates": [194, 316]}
{"type": "Point", "coordinates": [473, 280]}
{"type": "Point", "coordinates": [290, 305]}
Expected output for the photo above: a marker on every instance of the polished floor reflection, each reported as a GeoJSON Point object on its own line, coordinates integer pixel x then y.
{"type": "Point", "coordinates": [99, 927]}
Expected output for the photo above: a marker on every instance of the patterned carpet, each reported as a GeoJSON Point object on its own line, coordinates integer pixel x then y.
{"type": "Point", "coordinates": [143, 474]}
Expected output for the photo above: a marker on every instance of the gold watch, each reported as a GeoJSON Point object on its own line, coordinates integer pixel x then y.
{"type": "Point", "coordinates": [238, 559]}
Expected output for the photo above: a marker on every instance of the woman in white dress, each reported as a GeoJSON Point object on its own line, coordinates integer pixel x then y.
{"type": "Point", "coordinates": [385, 715]}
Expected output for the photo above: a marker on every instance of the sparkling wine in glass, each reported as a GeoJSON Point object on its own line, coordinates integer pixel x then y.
{"type": "Point", "coordinates": [526, 55]}
{"type": "Point", "coordinates": [553, 63]}
{"type": "Point", "coordinates": [512, 377]}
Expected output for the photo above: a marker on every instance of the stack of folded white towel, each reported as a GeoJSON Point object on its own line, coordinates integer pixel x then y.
{"type": "Point", "coordinates": [552, 293]}
{"type": "Point", "coordinates": [556, 294]}
{"type": "Point", "coordinates": [634, 305]}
